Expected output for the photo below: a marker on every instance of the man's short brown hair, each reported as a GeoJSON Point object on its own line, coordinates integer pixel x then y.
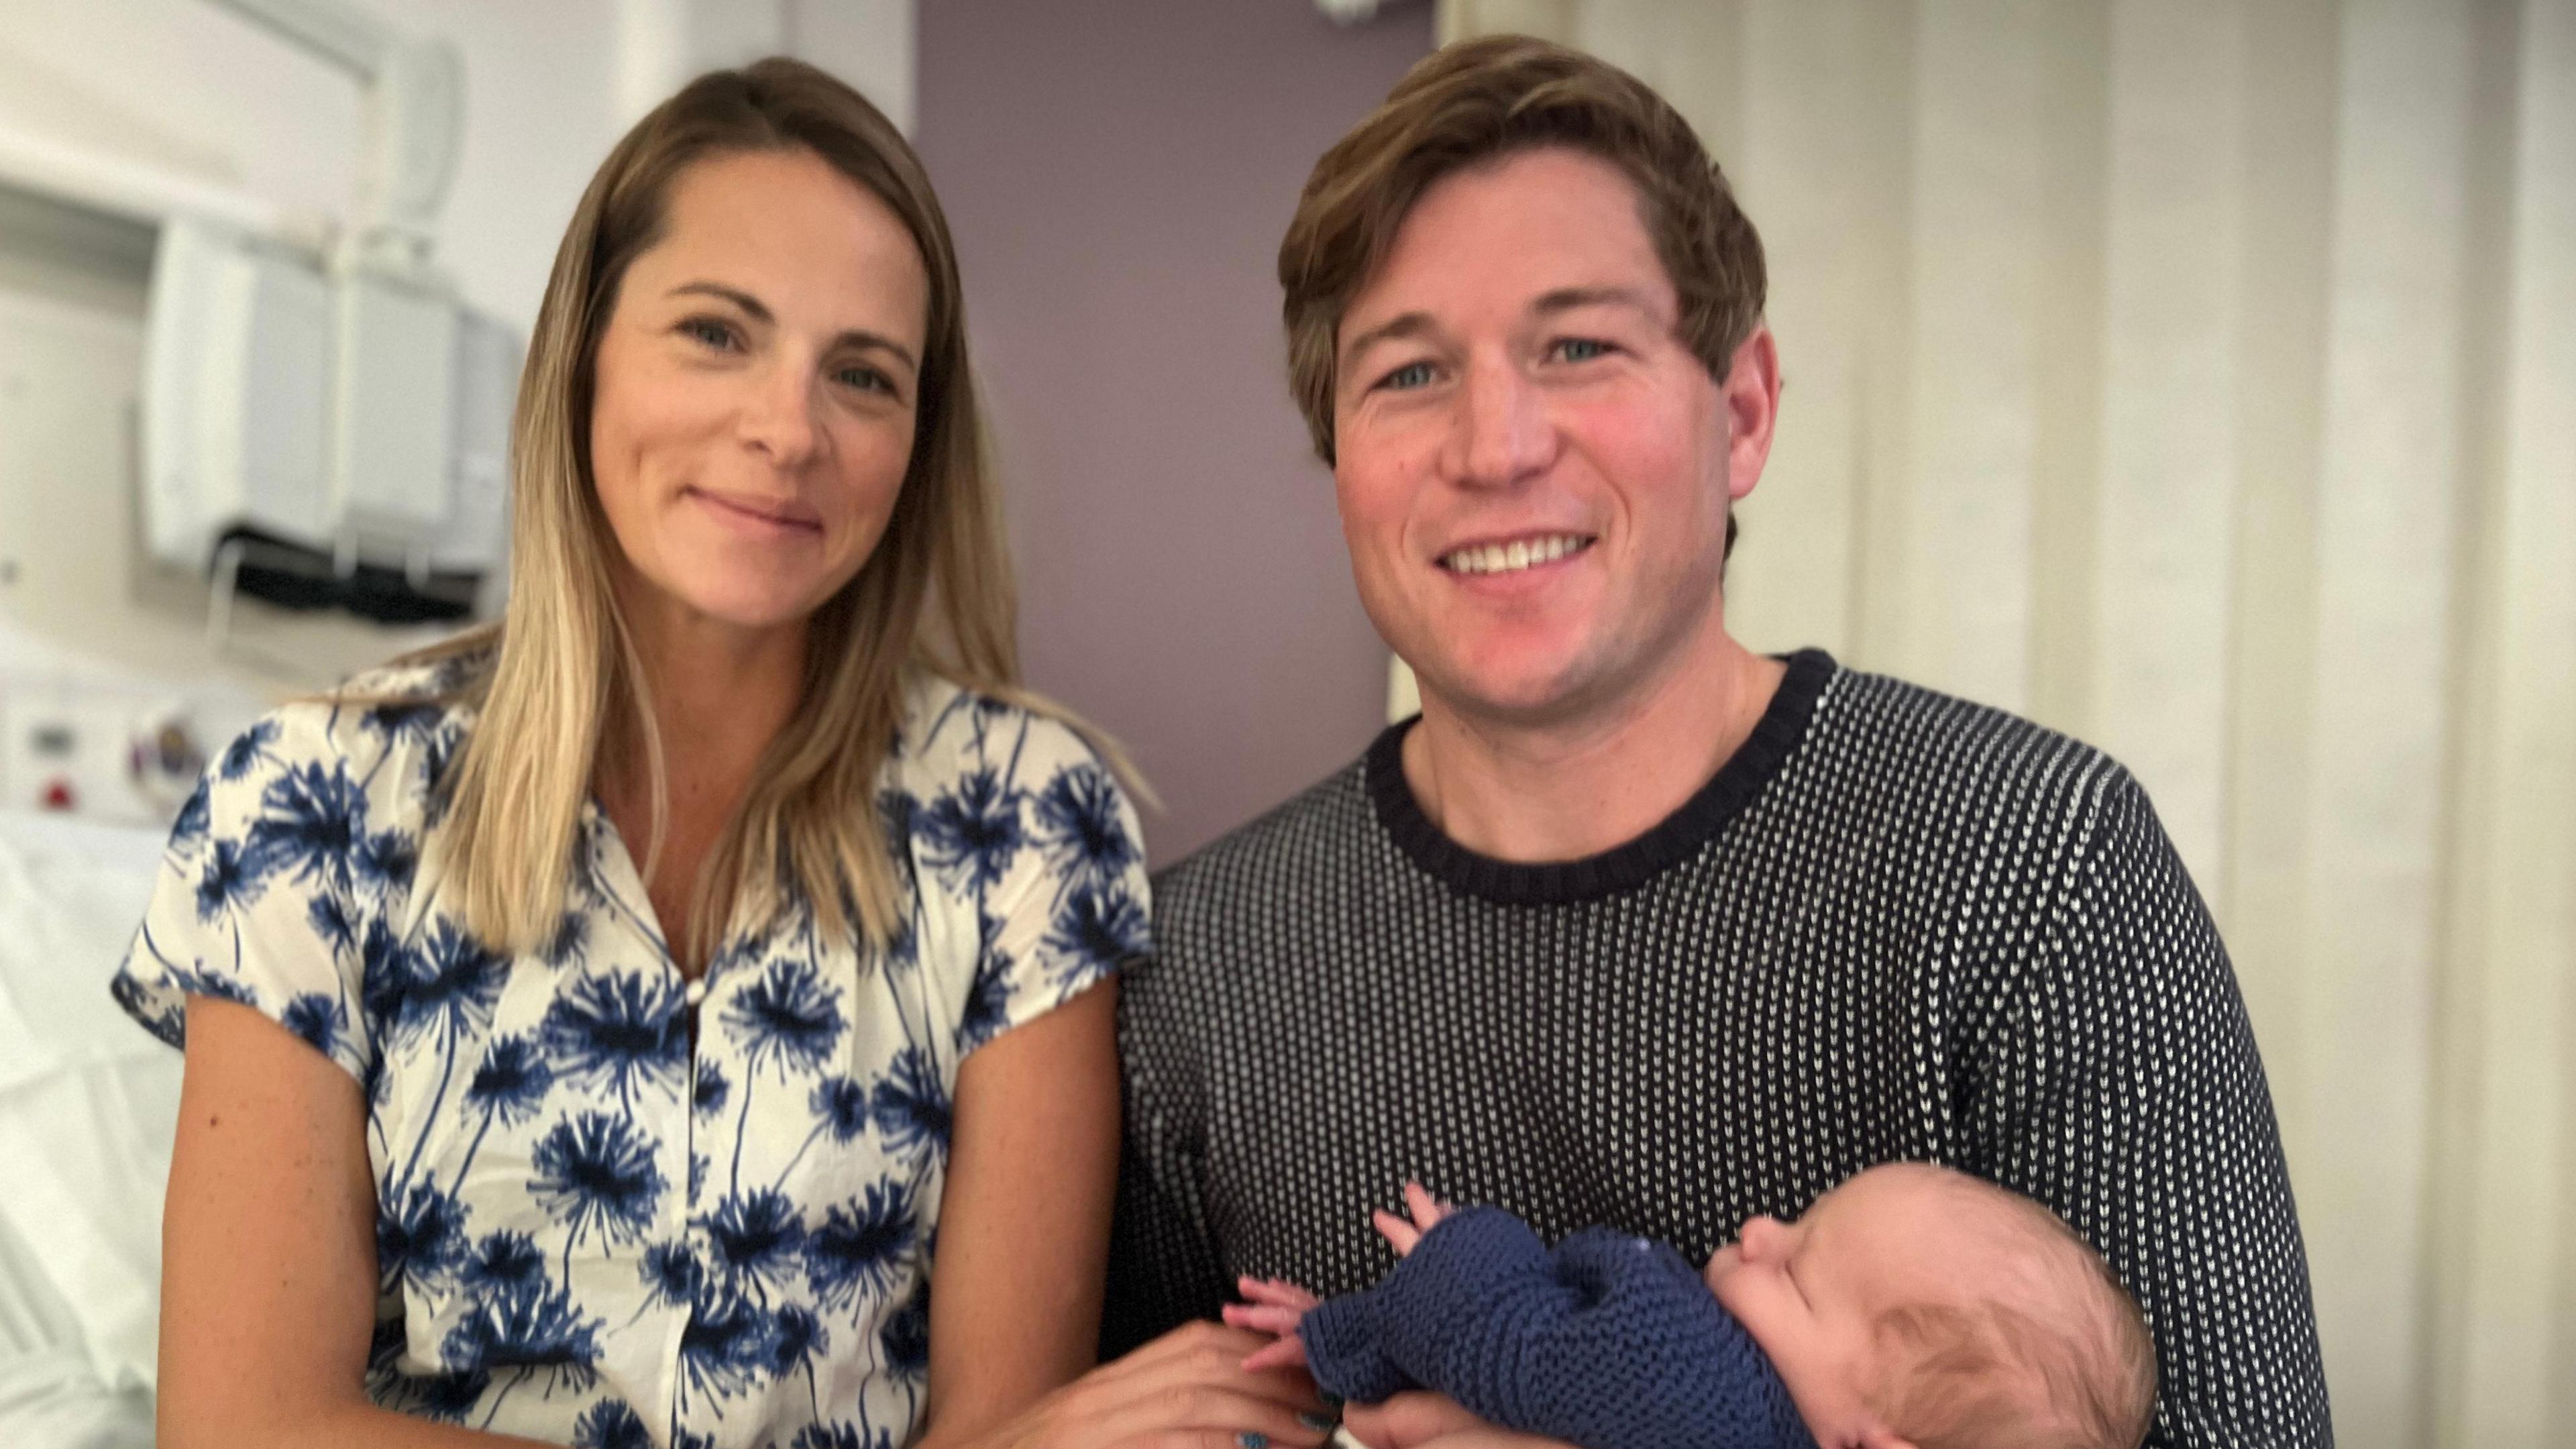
{"type": "Point", "coordinates": [1478, 101]}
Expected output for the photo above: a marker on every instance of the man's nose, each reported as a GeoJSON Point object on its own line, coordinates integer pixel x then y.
{"type": "Point", "coordinates": [1502, 432]}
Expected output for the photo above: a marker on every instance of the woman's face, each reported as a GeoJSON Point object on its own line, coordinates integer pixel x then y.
{"type": "Point", "coordinates": [756, 391]}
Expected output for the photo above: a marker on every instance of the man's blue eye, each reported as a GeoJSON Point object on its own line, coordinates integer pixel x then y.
{"type": "Point", "coordinates": [1581, 349]}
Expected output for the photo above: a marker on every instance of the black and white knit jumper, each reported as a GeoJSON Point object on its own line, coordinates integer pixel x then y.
{"type": "Point", "coordinates": [1894, 926]}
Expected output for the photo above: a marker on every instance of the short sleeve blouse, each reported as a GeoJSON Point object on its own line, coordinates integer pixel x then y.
{"type": "Point", "coordinates": [595, 1226]}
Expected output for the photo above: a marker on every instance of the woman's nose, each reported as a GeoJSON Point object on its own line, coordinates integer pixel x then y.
{"type": "Point", "coordinates": [779, 418]}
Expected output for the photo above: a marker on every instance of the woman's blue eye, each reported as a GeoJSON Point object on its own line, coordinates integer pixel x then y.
{"type": "Point", "coordinates": [866, 379]}
{"type": "Point", "coordinates": [708, 331]}
{"type": "Point", "coordinates": [1412, 374]}
{"type": "Point", "coordinates": [1581, 349]}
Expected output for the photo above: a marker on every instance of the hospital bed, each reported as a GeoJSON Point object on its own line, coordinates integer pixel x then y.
{"type": "Point", "coordinates": [87, 1105]}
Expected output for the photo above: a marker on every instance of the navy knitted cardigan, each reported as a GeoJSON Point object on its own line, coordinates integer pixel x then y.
{"type": "Point", "coordinates": [1609, 1342]}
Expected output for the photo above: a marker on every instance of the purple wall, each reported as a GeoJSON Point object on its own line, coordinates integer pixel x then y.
{"type": "Point", "coordinates": [1118, 173]}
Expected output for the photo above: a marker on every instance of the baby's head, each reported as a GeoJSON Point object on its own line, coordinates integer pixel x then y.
{"type": "Point", "coordinates": [1918, 1306]}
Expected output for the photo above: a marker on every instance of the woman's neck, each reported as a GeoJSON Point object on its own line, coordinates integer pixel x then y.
{"type": "Point", "coordinates": [1576, 787]}
{"type": "Point", "coordinates": [720, 695]}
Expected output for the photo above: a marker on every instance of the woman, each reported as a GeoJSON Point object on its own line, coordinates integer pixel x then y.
{"type": "Point", "coordinates": [592, 1025]}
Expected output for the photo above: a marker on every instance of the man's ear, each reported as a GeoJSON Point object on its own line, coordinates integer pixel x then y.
{"type": "Point", "coordinates": [1750, 393]}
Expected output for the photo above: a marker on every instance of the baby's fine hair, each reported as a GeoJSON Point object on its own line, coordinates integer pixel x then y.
{"type": "Point", "coordinates": [2055, 1358]}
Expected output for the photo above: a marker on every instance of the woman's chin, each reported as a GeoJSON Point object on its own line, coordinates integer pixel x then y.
{"type": "Point", "coordinates": [752, 605]}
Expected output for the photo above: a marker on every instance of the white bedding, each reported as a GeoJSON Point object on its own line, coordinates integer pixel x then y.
{"type": "Point", "coordinates": [87, 1100]}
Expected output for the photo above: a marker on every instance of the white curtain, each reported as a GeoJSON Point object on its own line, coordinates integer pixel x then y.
{"type": "Point", "coordinates": [2199, 378]}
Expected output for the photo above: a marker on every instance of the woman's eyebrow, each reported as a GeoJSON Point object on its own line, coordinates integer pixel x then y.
{"type": "Point", "coordinates": [751, 306]}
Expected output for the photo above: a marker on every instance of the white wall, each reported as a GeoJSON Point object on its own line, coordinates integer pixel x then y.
{"type": "Point", "coordinates": [189, 86]}
{"type": "Point", "coordinates": [192, 91]}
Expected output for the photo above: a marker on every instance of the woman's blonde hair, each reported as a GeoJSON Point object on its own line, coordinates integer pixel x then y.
{"type": "Point", "coordinates": [560, 677]}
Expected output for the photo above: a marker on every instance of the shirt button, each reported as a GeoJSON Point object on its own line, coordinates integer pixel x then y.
{"type": "Point", "coordinates": [696, 991]}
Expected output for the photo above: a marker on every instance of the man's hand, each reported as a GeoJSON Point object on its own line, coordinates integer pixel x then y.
{"type": "Point", "coordinates": [1431, 1421]}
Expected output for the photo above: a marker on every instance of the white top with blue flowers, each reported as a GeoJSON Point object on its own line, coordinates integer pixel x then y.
{"type": "Point", "coordinates": [595, 1226]}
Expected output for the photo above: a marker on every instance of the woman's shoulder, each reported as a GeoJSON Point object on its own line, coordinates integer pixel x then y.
{"type": "Point", "coordinates": [387, 732]}
{"type": "Point", "coordinates": [951, 733]}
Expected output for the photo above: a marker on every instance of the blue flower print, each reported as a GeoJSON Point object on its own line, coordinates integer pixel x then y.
{"type": "Point", "coordinates": [1081, 829]}
{"type": "Point", "coordinates": [1099, 929]}
{"type": "Point", "coordinates": [454, 983]}
{"type": "Point", "coordinates": [671, 1274]}
{"type": "Point", "coordinates": [503, 1262]}
{"type": "Point", "coordinates": [512, 1082]}
{"type": "Point", "coordinates": [595, 1174]}
{"type": "Point", "coordinates": [387, 967]}
{"type": "Point", "coordinates": [905, 1340]}
{"type": "Point", "coordinates": [195, 813]}
{"type": "Point", "coordinates": [329, 915]}
{"type": "Point", "coordinates": [232, 880]}
{"type": "Point", "coordinates": [385, 862]}
{"type": "Point", "coordinates": [526, 1325]}
{"type": "Point", "coordinates": [510, 1086]}
{"type": "Point", "coordinates": [170, 1025]}
{"type": "Point", "coordinates": [620, 1032]}
{"type": "Point", "coordinates": [841, 1436]}
{"type": "Point", "coordinates": [446, 1397]}
{"type": "Point", "coordinates": [217, 984]}
{"type": "Point", "coordinates": [972, 833]}
{"type": "Point", "coordinates": [840, 1108]}
{"type": "Point", "coordinates": [400, 720]}
{"type": "Point", "coordinates": [607, 1217]}
{"type": "Point", "coordinates": [988, 1000]}
{"type": "Point", "coordinates": [247, 751]}
{"type": "Point", "coordinates": [436, 788]}
{"type": "Point", "coordinates": [319, 1020]}
{"type": "Point", "coordinates": [758, 1239]}
{"type": "Point", "coordinates": [707, 1096]}
{"type": "Point", "coordinates": [610, 1424]}
{"type": "Point", "coordinates": [311, 824]}
{"type": "Point", "coordinates": [788, 1019]}
{"type": "Point", "coordinates": [801, 1340]}
{"type": "Point", "coordinates": [860, 1246]}
{"type": "Point", "coordinates": [911, 1104]}
{"type": "Point", "coordinates": [727, 1348]}
{"type": "Point", "coordinates": [570, 945]}
{"type": "Point", "coordinates": [420, 1239]}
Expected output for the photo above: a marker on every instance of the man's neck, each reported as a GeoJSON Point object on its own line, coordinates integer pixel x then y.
{"type": "Point", "coordinates": [1566, 790]}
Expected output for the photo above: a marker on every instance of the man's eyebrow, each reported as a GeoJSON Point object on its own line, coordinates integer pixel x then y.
{"type": "Point", "coordinates": [751, 306]}
{"type": "Point", "coordinates": [1411, 324]}
{"type": "Point", "coordinates": [1565, 299]}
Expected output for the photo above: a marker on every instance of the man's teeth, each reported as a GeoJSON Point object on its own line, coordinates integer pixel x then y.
{"type": "Point", "coordinates": [1503, 558]}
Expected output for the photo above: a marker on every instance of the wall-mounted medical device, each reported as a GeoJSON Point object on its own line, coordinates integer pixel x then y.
{"type": "Point", "coordinates": [331, 427]}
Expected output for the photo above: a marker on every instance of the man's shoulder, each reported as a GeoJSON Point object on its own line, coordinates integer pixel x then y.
{"type": "Point", "coordinates": [1879, 736]}
{"type": "Point", "coordinates": [1310, 832]}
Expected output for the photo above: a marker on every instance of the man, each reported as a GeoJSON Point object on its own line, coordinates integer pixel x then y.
{"type": "Point", "coordinates": [1633, 926]}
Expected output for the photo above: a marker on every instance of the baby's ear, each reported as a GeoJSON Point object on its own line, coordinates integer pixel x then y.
{"type": "Point", "coordinates": [1879, 1436]}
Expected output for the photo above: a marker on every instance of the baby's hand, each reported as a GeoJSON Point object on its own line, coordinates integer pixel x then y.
{"type": "Point", "coordinates": [1427, 1212]}
{"type": "Point", "coordinates": [1273, 1307]}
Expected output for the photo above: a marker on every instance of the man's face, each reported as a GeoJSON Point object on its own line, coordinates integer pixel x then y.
{"type": "Point", "coordinates": [1534, 472]}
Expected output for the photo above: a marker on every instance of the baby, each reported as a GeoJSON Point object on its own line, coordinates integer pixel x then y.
{"type": "Point", "coordinates": [1911, 1306]}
